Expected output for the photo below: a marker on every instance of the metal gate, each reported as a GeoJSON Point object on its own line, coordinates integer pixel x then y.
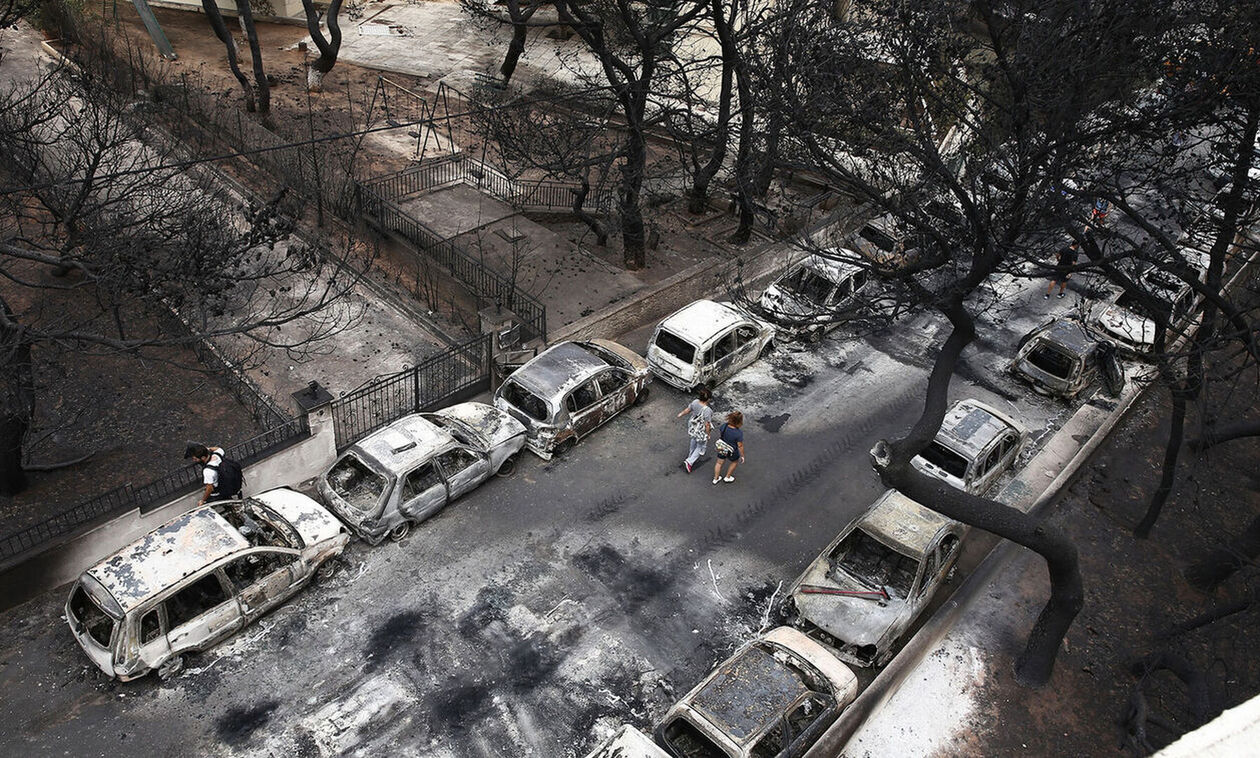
{"type": "Point", "coordinates": [449, 377]}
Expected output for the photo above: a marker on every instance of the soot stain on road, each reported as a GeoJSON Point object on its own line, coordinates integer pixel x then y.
{"type": "Point", "coordinates": [396, 633]}
{"type": "Point", "coordinates": [239, 724]}
{"type": "Point", "coordinates": [773, 424]}
{"type": "Point", "coordinates": [459, 704]}
{"type": "Point", "coordinates": [631, 585]}
{"type": "Point", "coordinates": [491, 605]}
{"type": "Point", "coordinates": [531, 660]}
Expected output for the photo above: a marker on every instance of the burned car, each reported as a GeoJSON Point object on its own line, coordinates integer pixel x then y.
{"type": "Point", "coordinates": [774, 697]}
{"type": "Point", "coordinates": [705, 343]}
{"type": "Point", "coordinates": [198, 579]}
{"type": "Point", "coordinates": [403, 474]}
{"type": "Point", "coordinates": [865, 591]}
{"type": "Point", "coordinates": [1126, 319]}
{"type": "Point", "coordinates": [1061, 357]}
{"type": "Point", "coordinates": [571, 389]}
{"type": "Point", "coordinates": [628, 742]}
{"type": "Point", "coordinates": [976, 444]}
{"type": "Point", "coordinates": [804, 301]}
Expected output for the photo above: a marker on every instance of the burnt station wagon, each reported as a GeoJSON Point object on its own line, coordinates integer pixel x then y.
{"type": "Point", "coordinates": [705, 343]}
{"type": "Point", "coordinates": [198, 579]}
{"type": "Point", "coordinates": [976, 444]}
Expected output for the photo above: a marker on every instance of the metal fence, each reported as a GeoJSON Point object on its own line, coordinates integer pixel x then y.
{"type": "Point", "coordinates": [524, 194]}
{"type": "Point", "coordinates": [145, 497]}
{"type": "Point", "coordinates": [456, 374]}
{"type": "Point", "coordinates": [482, 282]}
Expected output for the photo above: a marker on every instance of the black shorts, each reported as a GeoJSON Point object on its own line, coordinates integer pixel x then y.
{"type": "Point", "coordinates": [734, 456]}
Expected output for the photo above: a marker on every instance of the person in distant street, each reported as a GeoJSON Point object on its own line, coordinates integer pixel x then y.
{"type": "Point", "coordinates": [1098, 216]}
{"type": "Point", "coordinates": [730, 447]}
{"type": "Point", "coordinates": [221, 475]}
{"type": "Point", "coordinates": [699, 426]}
{"type": "Point", "coordinates": [1063, 269]}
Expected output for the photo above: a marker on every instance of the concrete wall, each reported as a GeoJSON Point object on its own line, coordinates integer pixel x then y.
{"type": "Point", "coordinates": [284, 9]}
{"type": "Point", "coordinates": [62, 561]}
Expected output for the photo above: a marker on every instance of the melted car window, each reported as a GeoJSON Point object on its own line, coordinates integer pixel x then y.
{"type": "Point", "coordinates": [531, 404]}
{"type": "Point", "coordinates": [98, 625]}
{"type": "Point", "coordinates": [809, 284]}
{"type": "Point", "coordinates": [686, 741]}
{"type": "Point", "coordinates": [420, 481]}
{"type": "Point", "coordinates": [942, 457]}
{"type": "Point", "coordinates": [1052, 361]}
{"type": "Point", "coordinates": [676, 346]}
{"type": "Point", "coordinates": [194, 600]}
{"type": "Point", "coordinates": [358, 485]}
{"type": "Point", "coordinates": [874, 564]}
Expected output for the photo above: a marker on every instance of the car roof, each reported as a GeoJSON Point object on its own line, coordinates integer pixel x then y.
{"type": "Point", "coordinates": [834, 270]}
{"type": "Point", "coordinates": [403, 444]}
{"type": "Point", "coordinates": [702, 320]}
{"type": "Point", "coordinates": [163, 557]}
{"type": "Point", "coordinates": [559, 369]}
{"type": "Point", "coordinates": [748, 693]}
{"type": "Point", "coordinates": [903, 524]}
{"type": "Point", "coordinates": [971, 425]}
{"type": "Point", "coordinates": [1069, 334]}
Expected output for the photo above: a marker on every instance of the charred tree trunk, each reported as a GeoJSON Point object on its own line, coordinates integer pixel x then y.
{"type": "Point", "coordinates": [891, 461]}
{"type": "Point", "coordinates": [1215, 435]}
{"type": "Point", "coordinates": [328, 47]}
{"type": "Point", "coordinates": [699, 197]}
{"type": "Point", "coordinates": [633, 231]}
{"type": "Point", "coordinates": [1221, 562]}
{"type": "Point", "coordinates": [579, 200]}
{"type": "Point", "coordinates": [17, 401]}
{"type": "Point", "coordinates": [221, 31]}
{"type": "Point", "coordinates": [255, 52]}
{"type": "Point", "coordinates": [516, 47]}
{"type": "Point", "coordinates": [743, 155]}
{"type": "Point", "coordinates": [1168, 475]}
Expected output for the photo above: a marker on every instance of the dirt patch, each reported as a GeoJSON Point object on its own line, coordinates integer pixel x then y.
{"type": "Point", "coordinates": [1136, 596]}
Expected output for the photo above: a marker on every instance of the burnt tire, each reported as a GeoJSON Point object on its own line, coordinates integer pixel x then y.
{"type": "Point", "coordinates": [767, 350]}
{"type": "Point", "coordinates": [400, 531]}
{"type": "Point", "coordinates": [328, 569]}
{"type": "Point", "coordinates": [564, 447]}
{"type": "Point", "coordinates": [642, 397]}
{"type": "Point", "coordinates": [508, 466]}
{"type": "Point", "coordinates": [170, 667]}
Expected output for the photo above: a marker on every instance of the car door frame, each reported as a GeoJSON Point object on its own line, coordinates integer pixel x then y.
{"type": "Point", "coordinates": [482, 459]}
{"type": "Point", "coordinates": [270, 589]}
{"type": "Point", "coordinates": [796, 745]}
{"type": "Point", "coordinates": [214, 633]}
{"type": "Point", "coordinates": [592, 412]}
{"type": "Point", "coordinates": [719, 369]}
{"type": "Point", "coordinates": [418, 515]}
{"type": "Point", "coordinates": [153, 653]}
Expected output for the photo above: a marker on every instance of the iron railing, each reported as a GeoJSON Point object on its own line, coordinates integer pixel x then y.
{"type": "Point", "coordinates": [482, 282]}
{"type": "Point", "coordinates": [145, 497]}
{"type": "Point", "coordinates": [523, 194]}
{"type": "Point", "coordinates": [456, 374]}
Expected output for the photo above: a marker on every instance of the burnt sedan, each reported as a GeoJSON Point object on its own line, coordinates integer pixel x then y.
{"type": "Point", "coordinates": [1061, 358]}
{"type": "Point", "coordinates": [772, 699]}
{"type": "Point", "coordinates": [865, 591]}
{"type": "Point", "coordinates": [570, 390]}
{"type": "Point", "coordinates": [408, 471]}
{"type": "Point", "coordinates": [805, 301]}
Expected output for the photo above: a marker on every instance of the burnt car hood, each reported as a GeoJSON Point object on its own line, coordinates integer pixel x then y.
{"type": "Point", "coordinates": [788, 306]}
{"type": "Point", "coordinates": [491, 424]}
{"type": "Point", "coordinates": [1127, 326]}
{"type": "Point", "coordinates": [854, 620]}
{"type": "Point", "coordinates": [311, 520]}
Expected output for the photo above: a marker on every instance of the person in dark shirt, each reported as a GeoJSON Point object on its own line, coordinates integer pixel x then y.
{"type": "Point", "coordinates": [730, 447]}
{"type": "Point", "coordinates": [1063, 269]}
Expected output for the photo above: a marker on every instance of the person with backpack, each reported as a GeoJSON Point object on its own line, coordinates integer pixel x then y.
{"type": "Point", "coordinates": [222, 475]}
{"type": "Point", "coordinates": [729, 446]}
{"type": "Point", "coordinates": [699, 426]}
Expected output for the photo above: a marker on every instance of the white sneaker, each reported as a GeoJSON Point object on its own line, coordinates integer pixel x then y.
{"type": "Point", "coordinates": [728, 479]}
{"type": "Point", "coordinates": [716, 480]}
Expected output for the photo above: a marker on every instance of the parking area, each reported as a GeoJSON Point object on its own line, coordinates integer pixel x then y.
{"type": "Point", "coordinates": [541, 610]}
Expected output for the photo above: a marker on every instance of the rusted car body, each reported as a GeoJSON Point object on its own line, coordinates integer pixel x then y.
{"type": "Point", "coordinates": [198, 579]}
{"type": "Point", "coordinates": [1061, 358]}
{"type": "Point", "coordinates": [705, 343]}
{"type": "Point", "coordinates": [401, 475]}
{"type": "Point", "coordinates": [804, 301]}
{"type": "Point", "coordinates": [570, 390]}
{"type": "Point", "coordinates": [774, 697]}
{"type": "Point", "coordinates": [864, 591]}
{"type": "Point", "coordinates": [976, 444]}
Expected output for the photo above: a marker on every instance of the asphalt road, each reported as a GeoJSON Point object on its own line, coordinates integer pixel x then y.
{"type": "Point", "coordinates": [542, 609]}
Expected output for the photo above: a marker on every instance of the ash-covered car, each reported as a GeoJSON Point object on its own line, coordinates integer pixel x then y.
{"type": "Point", "coordinates": [628, 742]}
{"type": "Point", "coordinates": [570, 390]}
{"type": "Point", "coordinates": [198, 579]}
{"type": "Point", "coordinates": [705, 343]}
{"type": "Point", "coordinates": [1062, 357]}
{"type": "Point", "coordinates": [865, 591]}
{"type": "Point", "coordinates": [1127, 317]}
{"type": "Point", "coordinates": [774, 697]}
{"type": "Point", "coordinates": [401, 475]}
{"type": "Point", "coordinates": [804, 302]}
{"type": "Point", "coordinates": [976, 444]}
